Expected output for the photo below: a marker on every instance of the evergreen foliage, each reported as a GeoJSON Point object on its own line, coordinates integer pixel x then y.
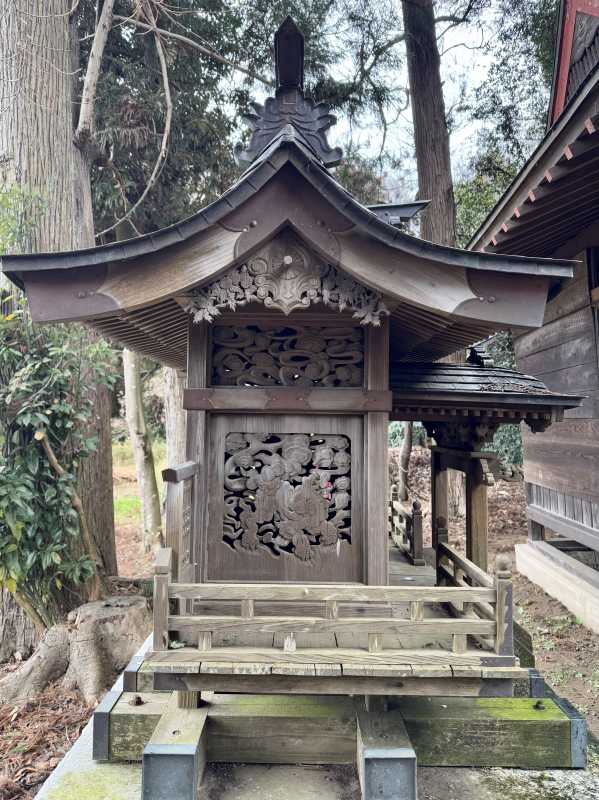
{"type": "Point", "coordinates": [513, 99]}
{"type": "Point", "coordinates": [43, 377]}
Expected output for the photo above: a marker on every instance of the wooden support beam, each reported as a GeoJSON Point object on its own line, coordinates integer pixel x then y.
{"type": "Point", "coordinates": [376, 443]}
{"type": "Point", "coordinates": [483, 732]}
{"type": "Point", "coordinates": [195, 448]}
{"type": "Point", "coordinates": [477, 516]}
{"type": "Point", "coordinates": [175, 757]}
{"type": "Point", "coordinates": [296, 728]}
{"type": "Point", "coordinates": [288, 400]}
{"type": "Point", "coordinates": [477, 684]}
{"type": "Point", "coordinates": [385, 756]}
{"type": "Point", "coordinates": [439, 495]}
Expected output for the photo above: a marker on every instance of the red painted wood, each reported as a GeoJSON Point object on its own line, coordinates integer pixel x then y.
{"type": "Point", "coordinates": [565, 50]}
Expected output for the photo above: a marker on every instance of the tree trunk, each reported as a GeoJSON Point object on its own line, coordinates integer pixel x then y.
{"type": "Point", "coordinates": [90, 651]}
{"type": "Point", "coordinates": [403, 486]}
{"type": "Point", "coordinates": [17, 632]}
{"type": "Point", "coordinates": [141, 443]}
{"type": "Point", "coordinates": [38, 43]}
{"type": "Point", "coordinates": [431, 138]}
{"type": "Point", "coordinates": [431, 135]}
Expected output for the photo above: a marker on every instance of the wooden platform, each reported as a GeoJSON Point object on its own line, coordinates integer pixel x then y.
{"type": "Point", "coordinates": [450, 731]}
{"type": "Point", "coordinates": [403, 573]}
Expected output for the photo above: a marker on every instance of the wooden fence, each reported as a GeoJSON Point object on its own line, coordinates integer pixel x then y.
{"type": "Point", "coordinates": [481, 611]}
{"type": "Point", "coordinates": [455, 570]}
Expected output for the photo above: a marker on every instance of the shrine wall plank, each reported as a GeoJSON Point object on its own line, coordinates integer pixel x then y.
{"type": "Point", "coordinates": [561, 465]}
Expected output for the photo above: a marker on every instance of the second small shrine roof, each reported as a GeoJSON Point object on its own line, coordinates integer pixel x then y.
{"type": "Point", "coordinates": [438, 390]}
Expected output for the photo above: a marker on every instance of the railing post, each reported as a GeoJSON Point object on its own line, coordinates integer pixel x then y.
{"type": "Point", "coordinates": [392, 492]}
{"type": "Point", "coordinates": [504, 608]}
{"type": "Point", "coordinates": [442, 538]}
{"type": "Point", "coordinates": [180, 481]}
{"type": "Point", "coordinates": [417, 537]}
{"type": "Point", "coordinates": [162, 577]}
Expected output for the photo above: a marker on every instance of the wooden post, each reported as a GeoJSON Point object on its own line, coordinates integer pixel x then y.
{"type": "Point", "coordinates": [198, 342]}
{"type": "Point", "coordinates": [442, 537]}
{"type": "Point", "coordinates": [504, 608]}
{"type": "Point", "coordinates": [178, 479]}
{"type": "Point", "coordinates": [477, 521]}
{"type": "Point", "coordinates": [162, 576]}
{"type": "Point", "coordinates": [417, 536]}
{"type": "Point", "coordinates": [376, 440]}
{"type": "Point", "coordinates": [439, 502]}
{"type": "Point", "coordinates": [536, 531]}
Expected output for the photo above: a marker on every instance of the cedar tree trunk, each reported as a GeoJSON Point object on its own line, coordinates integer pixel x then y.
{"type": "Point", "coordinates": [431, 135]}
{"type": "Point", "coordinates": [38, 44]}
{"type": "Point", "coordinates": [431, 138]}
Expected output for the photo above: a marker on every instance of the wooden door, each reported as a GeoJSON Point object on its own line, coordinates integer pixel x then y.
{"type": "Point", "coordinates": [285, 498]}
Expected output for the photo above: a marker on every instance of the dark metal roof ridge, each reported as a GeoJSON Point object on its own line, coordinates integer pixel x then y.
{"type": "Point", "coordinates": [494, 217]}
{"type": "Point", "coordinates": [292, 150]}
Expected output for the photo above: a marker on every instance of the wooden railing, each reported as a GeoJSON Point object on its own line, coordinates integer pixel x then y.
{"type": "Point", "coordinates": [286, 610]}
{"type": "Point", "coordinates": [406, 527]}
{"type": "Point", "coordinates": [455, 570]}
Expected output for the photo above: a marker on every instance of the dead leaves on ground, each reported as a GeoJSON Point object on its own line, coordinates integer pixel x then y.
{"type": "Point", "coordinates": [33, 738]}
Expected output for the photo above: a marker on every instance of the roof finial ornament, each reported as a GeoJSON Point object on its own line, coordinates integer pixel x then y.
{"type": "Point", "coordinates": [289, 57]}
{"type": "Point", "coordinates": [289, 114]}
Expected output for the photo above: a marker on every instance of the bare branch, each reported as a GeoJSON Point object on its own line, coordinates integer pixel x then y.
{"type": "Point", "coordinates": [186, 40]}
{"type": "Point", "coordinates": [162, 155]}
{"type": "Point", "coordinates": [85, 125]}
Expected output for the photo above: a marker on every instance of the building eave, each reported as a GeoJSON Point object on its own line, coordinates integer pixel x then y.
{"type": "Point", "coordinates": [567, 159]}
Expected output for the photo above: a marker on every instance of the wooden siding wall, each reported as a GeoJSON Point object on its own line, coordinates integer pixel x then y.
{"type": "Point", "coordinates": [563, 353]}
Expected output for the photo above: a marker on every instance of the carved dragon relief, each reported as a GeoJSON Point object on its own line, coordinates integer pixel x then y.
{"type": "Point", "coordinates": [262, 355]}
{"type": "Point", "coordinates": [287, 494]}
{"type": "Point", "coordinates": [286, 276]}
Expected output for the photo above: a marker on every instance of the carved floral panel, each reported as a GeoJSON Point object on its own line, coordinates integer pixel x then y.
{"type": "Point", "coordinates": [287, 494]}
{"type": "Point", "coordinates": [261, 355]}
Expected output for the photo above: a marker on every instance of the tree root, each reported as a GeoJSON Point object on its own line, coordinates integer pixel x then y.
{"type": "Point", "coordinates": [90, 650]}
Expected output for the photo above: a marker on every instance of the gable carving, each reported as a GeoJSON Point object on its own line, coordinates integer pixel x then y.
{"type": "Point", "coordinates": [286, 276]}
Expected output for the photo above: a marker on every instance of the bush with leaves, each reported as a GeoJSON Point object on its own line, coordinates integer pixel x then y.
{"type": "Point", "coordinates": [43, 374]}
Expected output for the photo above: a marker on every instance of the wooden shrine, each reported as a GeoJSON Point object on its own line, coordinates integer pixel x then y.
{"type": "Point", "coordinates": [305, 322]}
{"type": "Point", "coordinates": [551, 209]}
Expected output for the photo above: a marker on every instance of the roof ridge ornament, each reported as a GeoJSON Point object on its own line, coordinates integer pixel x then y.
{"type": "Point", "coordinates": [289, 106]}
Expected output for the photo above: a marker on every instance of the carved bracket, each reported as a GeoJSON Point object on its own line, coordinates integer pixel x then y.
{"type": "Point", "coordinates": [286, 276]}
{"type": "Point", "coordinates": [462, 435]}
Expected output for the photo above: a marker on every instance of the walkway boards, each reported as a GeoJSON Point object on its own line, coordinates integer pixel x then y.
{"type": "Point", "coordinates": [333, 671]}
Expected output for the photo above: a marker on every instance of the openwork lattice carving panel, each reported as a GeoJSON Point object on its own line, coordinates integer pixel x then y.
{"type": "Point", "coordinates": [286, 276]}
{"type": "Point", "coordinates": [287, 494]}
{"type": "Point", "coordinates": [262, 355]}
